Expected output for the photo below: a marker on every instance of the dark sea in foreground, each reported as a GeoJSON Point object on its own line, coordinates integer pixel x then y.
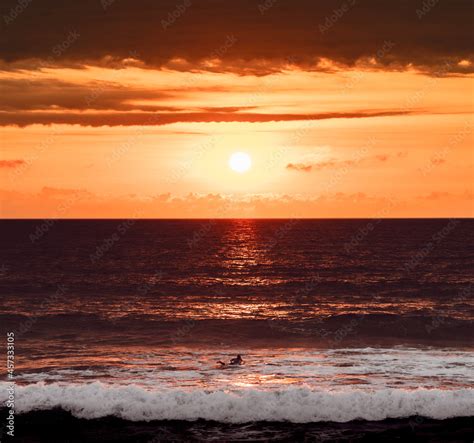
{"type": "Point", "coordinates": [351, 330]}
{"type": "Point", "coordinates": [60, 426]}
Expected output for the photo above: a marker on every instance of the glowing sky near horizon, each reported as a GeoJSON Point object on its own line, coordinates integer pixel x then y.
{"type": "Point", "coordinates": [385, 134]}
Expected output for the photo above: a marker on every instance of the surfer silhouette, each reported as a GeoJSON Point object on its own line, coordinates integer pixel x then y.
{"type": "Point", "coordinates": [234, 361]}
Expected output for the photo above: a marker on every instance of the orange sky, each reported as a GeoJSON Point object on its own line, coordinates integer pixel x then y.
{"type": "Point", "coordinates": [327, 139]}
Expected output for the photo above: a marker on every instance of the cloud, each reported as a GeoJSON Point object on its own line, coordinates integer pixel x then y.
{"type": "Point", "coordinates": [100, 103]}
{"type": "Point", "coordinates": [79, 203]}
{"type": "Point", "coordinates": [25, 118]}
{"type": "Point", "coordinates": [299, 167]}
{"type": "Point", "coordinates": [435, 195]}
{"type": "Point", "coordinates": [26, 95]}
{"type": "Point", "coordinates": [48, 191]}
{"type": "Point", "coordinates": [335, 163]}
{"type": "Point", "coordinates": [11, 163]}
{"type": "Point", "coordinates": [300, 32]}
{"type": "Point", "coordinates": [51, 94]}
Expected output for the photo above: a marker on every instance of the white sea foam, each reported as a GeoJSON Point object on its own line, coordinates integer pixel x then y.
{"type": "Point", "coordinates": [298, 405]}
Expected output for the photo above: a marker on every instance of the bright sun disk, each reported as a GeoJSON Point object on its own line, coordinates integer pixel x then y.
{"type": "Point", "coordinates": [240, 162]}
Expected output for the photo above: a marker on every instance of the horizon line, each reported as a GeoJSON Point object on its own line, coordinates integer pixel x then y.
{"type": "Point", "coordinates": [229, 218]}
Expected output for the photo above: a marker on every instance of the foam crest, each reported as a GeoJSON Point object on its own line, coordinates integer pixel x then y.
{"type": "Point", "coordinates": [297, 405]}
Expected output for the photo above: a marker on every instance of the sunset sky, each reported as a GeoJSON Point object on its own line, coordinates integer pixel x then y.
{"type": "Point", "coordinates": [356, 108]}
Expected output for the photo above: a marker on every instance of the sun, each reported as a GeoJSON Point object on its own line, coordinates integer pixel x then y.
{"type": "Point", "coordinates": [240, 162]}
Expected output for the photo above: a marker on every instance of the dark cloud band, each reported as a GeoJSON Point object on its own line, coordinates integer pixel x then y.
{"type": "Point", "coordinates": [157, 119]}
{"type": "Point", "coordinates": [425, 34]}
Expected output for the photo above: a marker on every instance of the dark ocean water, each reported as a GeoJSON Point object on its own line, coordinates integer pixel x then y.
{"type": "Point", "coordinates": [399, 279]}
{"type": "Point", "coordinates": [337, 320]}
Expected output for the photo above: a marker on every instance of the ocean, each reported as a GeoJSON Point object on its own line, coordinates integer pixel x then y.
{"type": "Point", "coordinates": [350, 330]}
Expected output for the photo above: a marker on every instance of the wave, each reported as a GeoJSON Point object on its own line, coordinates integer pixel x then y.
{"type": "Point", "coordinates": [296, 405]}
{"type": "Point", "coordinates": [334, 329]}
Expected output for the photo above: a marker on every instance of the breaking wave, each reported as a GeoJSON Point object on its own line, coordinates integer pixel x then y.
{"type": "Point", "coordinates": [296, 405]}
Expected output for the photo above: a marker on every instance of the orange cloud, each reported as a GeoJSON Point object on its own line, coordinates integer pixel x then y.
{"type": "Point", "coordinates": [11, 163]}
{"type": "Point", "coordinates": [157, 119]}
{"type": "Point", "coordinates": [71, 203]}
{"type": "Point", "coordinates": [334, 163]}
